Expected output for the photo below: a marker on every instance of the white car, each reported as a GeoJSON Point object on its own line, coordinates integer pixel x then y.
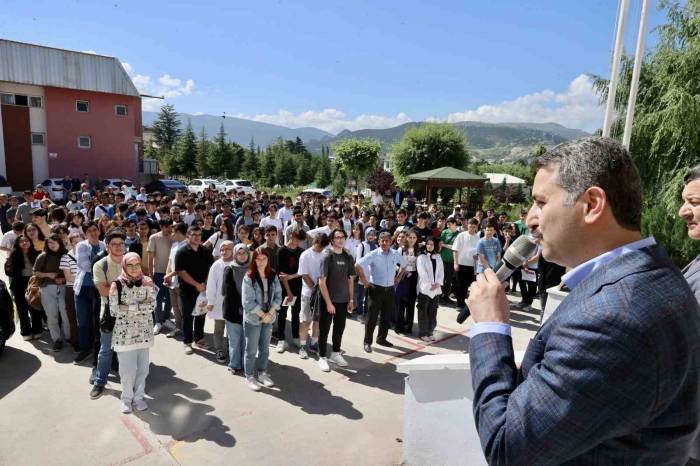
{"type": "Point", "coordinates": [54, 186]}
{"type": "Point", "coordinates": [116, 185]}
{"type": "Point", "coordinates": [240, 185]}
{"type": "Point", "coordinates": [198, 185]}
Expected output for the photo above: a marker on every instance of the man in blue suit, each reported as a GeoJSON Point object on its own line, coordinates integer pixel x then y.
{"type": "Point", "coordinates": [613, 376]}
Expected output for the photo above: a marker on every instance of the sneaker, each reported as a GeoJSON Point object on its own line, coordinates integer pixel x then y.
{"type": "Point", "coordinates": [125, 408]}
{"type": "Point", "coordinates": [201, 344]}
{"type": "Point", "coordinates": [323, 364]}
{"type": "Point", "coordinates": [385, 343]}
{"type": "Point", "coordinates": [220, 357]}
{"type": "Point", "coordinates": [368, 348]}
{"type": "Point", "coordinates": [432, 337]}
{"type": "Point", "coordinates": [57, 346]}
{"type": "Point", "coordinates": [337, 358]}
{"type": "Point", "coordinates": [313, 347]}
{"type": "Point", "coordinates": [265, 379]}
{"type": "Point", "coordinates": [296, 342]}
{"type": "Point", "coordinates": [253, 384]}
{"type": "Point", "coordinates": [140, 405]}
{"type": "Point", "coordinates": [303, 354]}
{"type": "Point", "coordinates": [157, 328]}
{"type": "Point", "coordinates": [234, 371]}
{"type": "Point", "coordinates": [426, 339]}
{"type": "Point", "coordinates": [188, 349]}
{"type": "Point", "coordinates": [27, 337]}
{"type": "Point", "coordinates": [96, 391]}
{"type": "Point", "coordinates": [36, 336]}
{"type": "Point", "coordinates": [281, 346]}
{"type": "Point", "coordinates": [173, 333]}
{"type": "Point", "coordinates": [82, 356]}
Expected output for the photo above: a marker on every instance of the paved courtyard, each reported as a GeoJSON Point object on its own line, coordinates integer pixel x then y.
{"type": "Point", "coordinates": [200, 414]}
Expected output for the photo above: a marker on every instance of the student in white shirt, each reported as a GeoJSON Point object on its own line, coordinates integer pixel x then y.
{"type": "Point", "coordinates": [430, 277]}
{"type": "Point", "coordinates": [464, 250]}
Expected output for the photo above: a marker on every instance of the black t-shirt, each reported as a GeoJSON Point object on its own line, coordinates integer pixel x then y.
{"type": "Point", "coordinates": [206, 234]}
{"type": "Point", "coordinates": [196, 263]}
{"type": "Point", "coordinates": [288, 262]}
{"type": "Point", "coordinates": [337, 268]}
{"type": "Point", "coordinates": [423, 233]}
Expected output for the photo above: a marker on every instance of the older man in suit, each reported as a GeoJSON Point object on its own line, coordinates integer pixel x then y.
{"type": "Point", "coordinates": [612, 377]}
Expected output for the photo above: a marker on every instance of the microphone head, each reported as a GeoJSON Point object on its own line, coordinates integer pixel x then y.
{"type": "Point", "coordinates": [521, 250]}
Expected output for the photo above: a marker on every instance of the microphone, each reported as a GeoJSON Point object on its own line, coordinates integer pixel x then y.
{"type": "Point", "coordinates": [521, 250]}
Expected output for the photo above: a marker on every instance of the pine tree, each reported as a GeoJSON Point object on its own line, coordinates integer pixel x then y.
{"type": "Point", "coordinates": [285, 169]}
{"type": "Point", "coordinates": [234, 160]}
{"type": "Point", "coordinates": [250, 168]}
{"type": "Point", "coordinates": [305, 172]}
{"type": "Point", "coordinates": [323, 172]}
{"type": "Point", "coordinates": [166, 129]}
{"type": "Point", "coordinates": [267, 168]}
{"type": "Point", "coordinates": [187, 152]}
{"type": "Point", "coordinates": [220, 155]}
{"type": "Point", "coordinates": [203, 153]}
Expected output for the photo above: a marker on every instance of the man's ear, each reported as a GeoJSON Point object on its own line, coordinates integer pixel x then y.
{"type": "Point", "coordinates": [595, 202]}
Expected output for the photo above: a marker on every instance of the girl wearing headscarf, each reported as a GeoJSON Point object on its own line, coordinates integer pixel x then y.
{"type": "Point", "coordinates": [132, 300]}
{"type": "Point", "coordinates": [231, 292]}
{"type": "Point", "coordinates": [215, 298]}
{"type": "Point", "coordinates": [431, 274]}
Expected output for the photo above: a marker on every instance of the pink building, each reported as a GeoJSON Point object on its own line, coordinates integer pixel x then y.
{"type": "Point", "coordinates": [66, 113]}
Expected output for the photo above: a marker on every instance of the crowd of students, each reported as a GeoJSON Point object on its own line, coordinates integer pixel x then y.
{"type": "Point", "coordinates": [106, 271]}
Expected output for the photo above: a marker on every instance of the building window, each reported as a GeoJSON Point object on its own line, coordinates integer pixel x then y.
{"type": "Point", "coordinates": [36, 102]}
{"type": "Point", "coordinates": [38, 139]}
{"type": "Point", "coordinates": [7, 99]}
{"type": "Point", "coordinates": [21, 100]}
{"type": "Point", "coordinates": [84, 142]}
{"type": "Point", "coordinates": [120, 110]}
{"type": "Point", "coordinates": [82, 106]}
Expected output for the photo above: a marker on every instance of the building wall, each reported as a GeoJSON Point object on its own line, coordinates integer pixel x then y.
{"type": "Point", "coordinates": [37, 123]}
{"type": "Point", "coordinates": [116, 140]}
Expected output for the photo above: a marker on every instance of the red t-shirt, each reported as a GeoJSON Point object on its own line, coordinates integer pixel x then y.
{"type": "Point", "coordinates": [38, 196]}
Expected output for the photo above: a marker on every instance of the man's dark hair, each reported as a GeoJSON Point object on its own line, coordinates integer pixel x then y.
{"type": "Point", "coordinates": [39, 212]}
{"type": "Point", "coordinates": [492, 223]}
{"type": "Point", "coordinates": [473, 221]}
{"type": "Point", "coordinates": [401, 211]}
{"type": "Point", "coordinates": [270, 228]}
{"type": "Point", "coordinates": [692, 175]}
{"type": "Point", "coordinates": [450, 220]}
{"type": "Point", "coordinates": [140, 211]}
{"type": "Point", "coordinates": [165, 221]}
{"type": "Point", "coordinates": [424, 215]}
{"type": "Point", "coordinates": [339, 230]}
{"type": "Point", "coordinates": [88, 224]}
{"type": "Point", "coordinates": [180, 227]}
{"type": "Point", "coordinates": [114, 233]}
{"type": "Point", "coordinates": [194, 228]}
{"type": "Point", "coordinates": [332, 215]}
{"type": "Point", "coordinates": [18, 226]}
{"type": "Point", "coordinates": [130, 221]}
{"type": "Point", "coordinates": [321, 239]}
{"type": "Point", "coordinates": [297, 210]}
{"type": "Point", "coordinates": [601, 162]}
{"type": "Point", "coordinates": [298, 233]}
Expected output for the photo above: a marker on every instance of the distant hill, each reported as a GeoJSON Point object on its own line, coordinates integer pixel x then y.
{"type": "Point", "coordinates": [242, 131]}
{"type": "Point", "coordinates": [489, 141]}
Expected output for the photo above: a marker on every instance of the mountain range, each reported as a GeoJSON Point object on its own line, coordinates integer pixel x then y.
{"type": "Point", "coordinates": [489, 141]}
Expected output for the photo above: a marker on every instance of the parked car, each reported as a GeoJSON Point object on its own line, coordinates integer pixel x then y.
{"type": "Point", "coordinates": [116, 185]}
{"type": "Point", "coordinates": [239, 185]}
{"type": "Point", "coordinates": [316, 192]}
{"type": "Point", "coordinates": [198, 185]}
{"type": "Point", "coordinates": [166, 187]}
{"type": "Point", "coordinates": [7, 311]}
{"type": "Point", "coordinates": [54, 186]}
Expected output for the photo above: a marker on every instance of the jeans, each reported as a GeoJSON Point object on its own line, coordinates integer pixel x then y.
{"type": "Point", "coordinates": [53, 299]}
{"type": "Point", "coordinates": [29, 318]}
{"type": "Point", "coordinates": [427, 314]}
{"type": "Point", "coordinates": [187, 304]}
{"type": "Point", "coordinates": [84, 302]}
{"type": "Point", "coordinates": [162, 299]}
{"type": "Point", "coordinates": [257, 347]}
{"type": "Point", "coordinates": [465, 277]}
{"type": "Point", "coordinates": [282, 319]}
{"type": "Point", "coordinates": [133, 370]}
{"type": "Point", "coordinates": [104, 359]}
{"type": "Point", "coordinates": [325, 321]}
{"type": "Point", "coordinates": [236, 345]}
{"type": "Point", "coordinates": [381, 305]}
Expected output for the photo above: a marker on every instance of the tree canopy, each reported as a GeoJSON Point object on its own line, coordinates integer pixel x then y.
{"type": "Point", "coordinates": [357, 156]}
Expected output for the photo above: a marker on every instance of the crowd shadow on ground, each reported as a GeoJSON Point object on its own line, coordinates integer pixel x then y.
{"type": "Point", "coordinates": [294, 386]}
{"type": "Point", "coordinates": [23, 365]}
{"type": "Point", "coordinates": [176, 408]}
{"type": "Point", "coordinates": [525, 320]}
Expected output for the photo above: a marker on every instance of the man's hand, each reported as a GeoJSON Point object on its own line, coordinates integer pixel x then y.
{"type": "Point", "coordinates": [210, 307]}
{"type": "Point", "coordinates": [456, 267]}
{"type": "Point", "coordinates": [330, 308]}
{"type": "Point", "coordinates": [290, 296]}
{"type": "Point", "coordinates": [487, 299]}
{"type": "Point", "coordinates": [201, 287]}
{"type": "Point", "coordinates": [350, 306]}
{"type": "Point", "coordinates": [168, 279]}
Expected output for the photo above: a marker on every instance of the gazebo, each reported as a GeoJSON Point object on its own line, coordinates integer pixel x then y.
{"type": "Point", "coordinates": [446, 177]}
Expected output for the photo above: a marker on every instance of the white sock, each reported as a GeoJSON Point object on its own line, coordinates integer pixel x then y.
{"type": "Point", "coordinates": [314, 340]}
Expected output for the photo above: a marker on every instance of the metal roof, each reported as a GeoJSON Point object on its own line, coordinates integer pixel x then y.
{"type": "Point", "coordinates": [24, 63]}
{"type": "Point", "coordinates": [497, 178]}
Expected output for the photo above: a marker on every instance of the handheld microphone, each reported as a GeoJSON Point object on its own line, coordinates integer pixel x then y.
{"type": "Point", "coordinates": [521, 250]}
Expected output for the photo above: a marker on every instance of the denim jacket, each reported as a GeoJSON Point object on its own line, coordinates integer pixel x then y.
{"type": "Point", "coordinates": [253, 299]}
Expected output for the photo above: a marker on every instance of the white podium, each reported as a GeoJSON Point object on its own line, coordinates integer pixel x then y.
{"type": "Point", "coordinates": [554, 298]}
{"type": "Point", "coordinates": [439, 427]}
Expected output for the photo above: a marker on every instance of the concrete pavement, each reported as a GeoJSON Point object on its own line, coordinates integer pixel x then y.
{"type": "Point", "coordinates": [201, 414]}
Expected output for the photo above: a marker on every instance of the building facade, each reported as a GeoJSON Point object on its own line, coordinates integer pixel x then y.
{"type": "Point", "coordinates": [66, 113]}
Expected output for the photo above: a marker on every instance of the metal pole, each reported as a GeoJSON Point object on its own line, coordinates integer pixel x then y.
{"type": "Point", "coordinates": [619, 39]}
{"type": "Point", "coordinates": [634, 86]}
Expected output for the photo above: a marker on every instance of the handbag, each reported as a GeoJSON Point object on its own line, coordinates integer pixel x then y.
{"type": "Point", "coordinates": [200, 306]}
{"type": "Point", "coordinates": [33, 293]}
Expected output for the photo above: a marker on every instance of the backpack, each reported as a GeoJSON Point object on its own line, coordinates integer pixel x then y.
{"type": "Point", "coordinates": [106, 319]}
{"type": "Point", "coordinates": [33, 293]}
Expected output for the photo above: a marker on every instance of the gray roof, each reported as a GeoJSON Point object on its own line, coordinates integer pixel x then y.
{"type": "Point", "coordinates": [46, 66]}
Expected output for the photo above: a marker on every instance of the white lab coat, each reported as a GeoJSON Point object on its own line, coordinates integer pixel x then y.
{"type": "Point", "coordinates": [426, 277]}
{"type": "Point", "coordinates": [214, 282]}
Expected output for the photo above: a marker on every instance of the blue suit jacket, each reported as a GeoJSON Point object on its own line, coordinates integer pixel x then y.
{"type": "Point", "coordinates": [612, 378]}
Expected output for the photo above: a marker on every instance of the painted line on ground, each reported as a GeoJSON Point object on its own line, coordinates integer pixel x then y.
{"type": "Point", "coordinates": [146, 447]}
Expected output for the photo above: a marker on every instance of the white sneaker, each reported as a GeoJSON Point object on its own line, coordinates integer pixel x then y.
{"type": "Point", "coordinates": [125, 408]}
{"type": "Point", "coordinates": [303, 354]}
{"type": "Point", "coordinates": [426, 339]}
{"type": "Point", "coordinates": [323, 364]}
{"type": "Point", "coordinates": [282, 346]}
{"type": "Point", "coordinates": [337, 358]}
{"type": "Point", "coordinates": [265, 379]}
{"type": "Point", "coordinates": [157, 328]}
{"type": "Point", "coordinates": [253, 384]}
{"type": "Point", "coordinates": [140, 405]}
{"type": "Point", "coordinates": [432, 338]}
{"type": "Point", "coordinates": [188, 349]}
{"type": "Point", "coordinates": [27, 337]}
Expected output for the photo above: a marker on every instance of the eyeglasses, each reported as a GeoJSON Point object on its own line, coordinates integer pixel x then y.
{"type": "Point", "coordinates": [133, 265]}
{"type": "Point", "coordinates": [117, 244]}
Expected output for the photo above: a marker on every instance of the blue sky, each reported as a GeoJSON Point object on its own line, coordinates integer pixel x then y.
{"type": "Point", "coordinates": [353, 64]}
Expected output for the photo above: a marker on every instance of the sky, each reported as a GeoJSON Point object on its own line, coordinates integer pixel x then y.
{"type": "Point", "coordinates": [349, 65]}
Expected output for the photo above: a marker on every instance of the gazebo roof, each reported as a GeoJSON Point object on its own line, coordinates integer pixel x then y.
{"type": "Point", "coordinates": [446, 174]}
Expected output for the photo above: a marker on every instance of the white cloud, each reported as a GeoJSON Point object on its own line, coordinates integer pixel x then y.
{"type": "Point", "coordinates": [90, 51]}
{"type": "Point", "coordinates": [165, 86]}
{"type": "Point", "coordinates": [576, 107]}
{"type": "Point", "coordinates": [329, 119]}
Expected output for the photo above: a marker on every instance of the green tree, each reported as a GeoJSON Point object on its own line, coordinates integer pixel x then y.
{"type": "Point", "coordinates": [357, 156]}
{"type": "Point", "coordinates": [665, 139]}
{"type": "Point", "coordinates": [186, 152]}
{"type": "Point", "coordinates": [267, 168]}
{"type": "Point", "coordinates": [428, 146]}
{"type": "Point", "coordinates": [166, 129]}
{"type": "Point", "coordinates": [203, 153]}
{"type": "Point", "coordinates": [221, 153]}
{"type": "Point", "coordinates": [250, 168]}
{"type": "Point", "coordinates": [305, 172]}
{"type": "Point", "coordinates": [323, 172]}
{"type": "Point", "coordinates": [232, 165]}
{"type": "Point", "coordinates": [285, 169]}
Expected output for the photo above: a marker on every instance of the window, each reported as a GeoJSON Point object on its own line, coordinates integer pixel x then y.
{"type": "Point", "coordinates": [22, 100]}
{"type": "Point", "coordinates": [38, 139]}
{"type": "Point", "coordinates": [7, 99]}
{"type": "Point", "coordinates": [82, 106]}
{"type": "Point", "coordinates": [36, 102]}
{"type": "Point", "coordinates": [120, 110]}
{"type": "Point", "coordinates": [84, 142]}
